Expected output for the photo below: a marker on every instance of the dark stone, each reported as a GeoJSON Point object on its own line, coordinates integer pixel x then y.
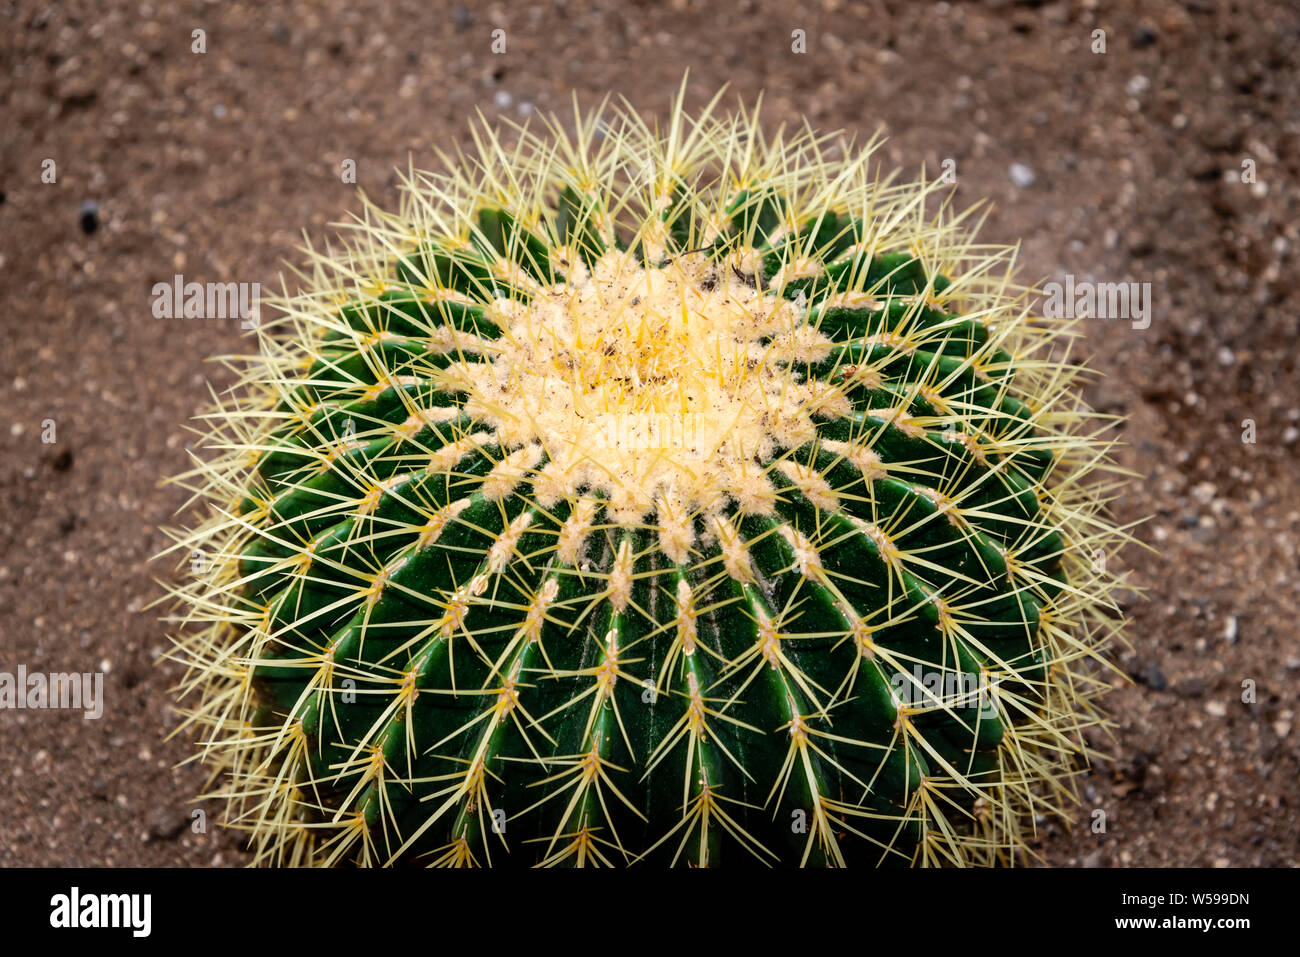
{"type": "Point", "coordinates": [1151, 676]}
{"type": "Point", "coordinates": [1143, 37]}
{"type": "Point", "coordinates": [1192, 687]}
{"type": "Point", "coordinates": [89, 216]}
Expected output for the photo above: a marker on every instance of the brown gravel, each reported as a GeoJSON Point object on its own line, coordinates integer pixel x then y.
{"type": "Point", "coordinates": [212, 164]}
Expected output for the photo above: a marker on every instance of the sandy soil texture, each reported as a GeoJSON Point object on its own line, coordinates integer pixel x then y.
{"type": "Point", "coordinates": [1171, 159]}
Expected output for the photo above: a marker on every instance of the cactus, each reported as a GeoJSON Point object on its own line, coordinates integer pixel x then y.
{"type": "Point", "coordinates": [684, 496]}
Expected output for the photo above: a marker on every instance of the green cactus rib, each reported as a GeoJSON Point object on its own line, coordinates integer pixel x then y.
{"type": "Point", "coordinates": [469, 608]}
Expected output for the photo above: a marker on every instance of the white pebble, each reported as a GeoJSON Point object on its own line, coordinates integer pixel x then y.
{"type": "Point", "coordinates": [1021, 175]}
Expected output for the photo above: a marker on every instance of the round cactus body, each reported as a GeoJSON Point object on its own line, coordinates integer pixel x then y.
{"type": "Point", "coordinates": [689, 497]}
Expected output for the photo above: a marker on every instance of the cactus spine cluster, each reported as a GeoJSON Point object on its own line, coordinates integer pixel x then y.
{"type": "Point", "coordinates": [687, 496]}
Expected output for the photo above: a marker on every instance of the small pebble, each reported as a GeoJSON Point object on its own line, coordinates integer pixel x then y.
{"type": "Point", "coordinates": [1154, 678]}
{"type": "Point", "coordinates": [1021, 175]}
{"type": "Point", "coordinates": [1143, 37]}
{"type": "Point", "coordinates": [89, 216]}
{"type": "Point", "coordinates": [1230, 630]}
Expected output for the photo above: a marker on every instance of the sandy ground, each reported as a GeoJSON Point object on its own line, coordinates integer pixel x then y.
{"type": "Point", "coordinates": [1125, 165]}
